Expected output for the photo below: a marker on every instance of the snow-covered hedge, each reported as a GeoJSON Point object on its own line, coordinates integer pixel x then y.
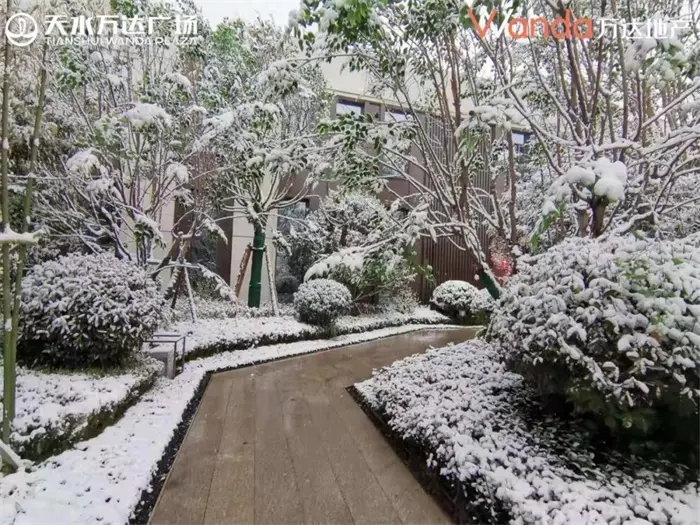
{"type": "Point", "coordinates": [86, 310]}
{"type": "Point", "coordinates": [463, 302]}
{"type": "Point", "coordinates": [614, 326]}
{"type": "Point", "coordinates": [498, 461]}
{"type": "Point", "coordinates": [321, 301]}
{"type": "Point", "coordinates": [54, 411]}
{"type": "Point", "coordinates": [209, 308]}
{"type": "Point", "coordinates": [213, 336]}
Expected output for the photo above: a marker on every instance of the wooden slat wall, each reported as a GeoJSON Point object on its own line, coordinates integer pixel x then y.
{"type": "Point", "coordinates": [447, 257]}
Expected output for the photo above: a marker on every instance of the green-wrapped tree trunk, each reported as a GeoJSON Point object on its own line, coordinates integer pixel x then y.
{"type": "Point", "coordinates": [256, 269]}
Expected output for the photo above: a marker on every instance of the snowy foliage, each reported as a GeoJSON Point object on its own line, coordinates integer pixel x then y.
{"type": "Point", "coordinates": [610, 124]}
{"type": "Point", "coordinates": [117, 141]}
{"type": "Point", "coordinates": [263, 127]}
{"type": "Point", "coordinates": [403, 300]}
{"type": "Point", "coordinates": [683, 215]}
{"type": "Point", "coordinates": [321, 301]}
{"type": "Point", "coordinates": [462, 301]}
{"type": "Point", "coordinates": [474, 421]}
{"type": "Point", "coordinates": [332, 243]}
{"type": "Point", "coordinates": [84, 310]}
{"type": "Point", "coordinates": [222, 308]}
{"type": "Point", "coordinates": [614, 325]}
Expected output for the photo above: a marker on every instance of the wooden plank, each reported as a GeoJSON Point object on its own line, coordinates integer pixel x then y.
{"type": "Point", "coordinates": [232, 493]}
{"type": "Point", "coordinates": [320, 495]}
{"type": "Point", "coordinates": [363, 495]}
{"type": "Point", "coordinates": [411, 503]}
{"type": "Point", "coordinates": [276, 496]}
{"type": "Point", "coordinates": [184, 497]}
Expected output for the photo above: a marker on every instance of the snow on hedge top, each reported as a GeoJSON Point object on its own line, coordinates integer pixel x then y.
{"type": "Point", "coordinates": [462, 296]}
{"type": "Point", "coordinates": [321, 299]}
{"type": "Point", "coordinates": [471, 411]}
{"type": "Point", "coordinates": [249, 331]}
{"type": "Point", "coordinates": [75, 297]}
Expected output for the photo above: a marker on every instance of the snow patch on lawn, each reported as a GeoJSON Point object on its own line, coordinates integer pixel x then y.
{"type": "Point", "coordinates": [469, 410]}
{"type": "Point", "coordinates": [101, 480]}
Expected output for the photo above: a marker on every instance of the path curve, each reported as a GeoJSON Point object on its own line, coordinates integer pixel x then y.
{"type": "Point", "coordinates": [283, 444]}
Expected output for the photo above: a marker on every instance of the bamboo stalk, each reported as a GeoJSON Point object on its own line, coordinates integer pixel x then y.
{"type": "Point", "coordinates": [9, 367]}
{"type": "Point", "coordinates": [28, 191]}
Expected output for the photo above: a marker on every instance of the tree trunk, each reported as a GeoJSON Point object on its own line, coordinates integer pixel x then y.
{"type": "Point", "coordinates": [34, 152]}
{"type": "Point", "coordinates": [256, 269]}
{"type": "Point", "coordinates": [598, 217]}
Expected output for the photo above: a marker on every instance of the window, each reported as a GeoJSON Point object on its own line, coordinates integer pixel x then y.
{"type": "Point", "coordinates": [520, 140]}
{"type": "Point", "coordinates": [388, 172]}
{"type": "Point", "coordinates": [344, 107]}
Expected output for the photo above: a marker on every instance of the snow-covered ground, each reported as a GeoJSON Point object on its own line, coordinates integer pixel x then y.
{"type": "Point", "coordinates": [468, 410]}
{"type": "Point", "coordinates": [101, 480]}
{"type": "Point", "coordinates": [208, 336]}
{"type": "Point", "coordinates": [57, 408]}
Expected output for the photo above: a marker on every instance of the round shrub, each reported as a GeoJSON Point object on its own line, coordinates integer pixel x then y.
{"type": "Point", "coordinates": [462, 302]}
{"type": "Point", "coordinates": [86, 310]}
{"type": "Point", "coordinates": [287, 284]}
{"type": "Point", "coordinates": [321, 301]}
{"type": "Point", "coordinates": [613, 328]}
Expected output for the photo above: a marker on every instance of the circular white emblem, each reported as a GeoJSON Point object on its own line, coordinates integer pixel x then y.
{"type": "Point", "coordinates": [21, 29]}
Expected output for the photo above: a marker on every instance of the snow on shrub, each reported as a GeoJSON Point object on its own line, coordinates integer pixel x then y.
{"type": "Point", "coordinates": [403, 300]}
{"type": "Point", "coordinates": [333, 242]}
{"type": "Point", "coordinates": [321, 301]}
{"type": "Point", "coordinates": [86, 310]}
{"type": "Point", "coordinates": [476, 424]}
{"type": "Point", "coordinates": [613, 325]}
{"type": "Point", "coordinates": [212, 308]}
{"type": "Point", "coordinates": [462, 302]}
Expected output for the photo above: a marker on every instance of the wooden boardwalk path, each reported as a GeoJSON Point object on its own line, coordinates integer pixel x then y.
{"type": "Point", "coordinates": [284, 444]}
